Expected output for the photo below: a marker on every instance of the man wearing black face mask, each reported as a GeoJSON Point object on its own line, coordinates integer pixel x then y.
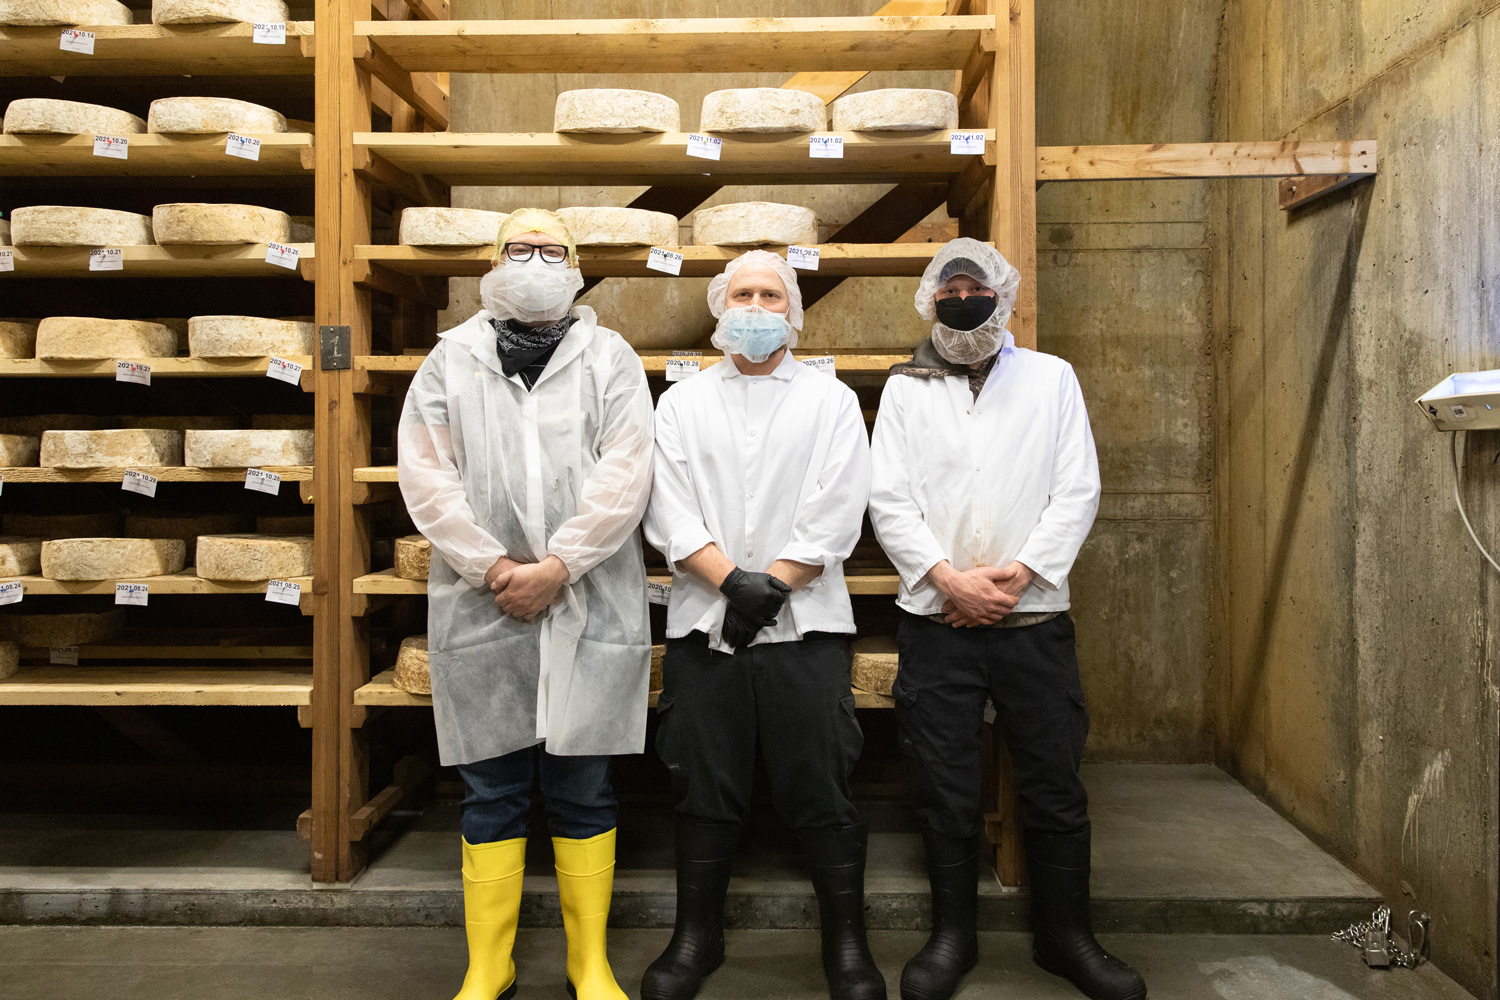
{"type": "Point", "coordinates": [985, 485]}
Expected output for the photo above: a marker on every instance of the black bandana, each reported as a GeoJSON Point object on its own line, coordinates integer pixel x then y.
{"type": "Point", "coordinates": [520, 346]}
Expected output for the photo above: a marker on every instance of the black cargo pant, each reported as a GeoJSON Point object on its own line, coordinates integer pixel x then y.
{"type": "Point", "coordinates": [792, 696]}
{"type": "Point", "coordinates": [1031, 673]}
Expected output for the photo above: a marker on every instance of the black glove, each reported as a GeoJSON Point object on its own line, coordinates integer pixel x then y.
{"type": "Point", "coordinates": [754, 601]}
{"type": "Point", "coordinates": [739, 630]}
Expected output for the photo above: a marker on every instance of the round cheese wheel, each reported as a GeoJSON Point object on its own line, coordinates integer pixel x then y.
{"type": "Point", "coordinates": [199, 115]}
{"type": "Point", "coordinates": [606, 109]}
{"type": "Point", "coordinates": [98, 524]}
{"type": "Point", "coordinates": [620, 227]}
{"type": "Point", "coordinates": [248, 337]}
{"type": "Point", "coordinates": [111, 558]}
{"type": "Point", "coordinates": [413, 557]}
{"type": "Point", "coordinates": [45, 116]}
{"type": "Point", "coordinates": [20, 555]}
{"type": "Point", "coordinates": [254, 557]}
{"type": "Point", "coordinates": [874, 665]}
{"type": "Point", "coordinates": [110, 449]}
{"type": "Point", "coordinates": [4, 227]}
{"type": "Point", "coordinates": [897, 109]}
{"type": "Point", "coordinates": [218, 225]}
{"type": "Point", "coordinates": [754, 222]}
{"type": "Point", "coordinates": [46, 628]}
{"type": "Point", "coordinates": [449, 227]}
{"type": "Point", "coordinates": [658, 655]}
{"type": "Point", "coordinates": [763, 109]}
{"type": "Point", "coordinates": [212, 11]}
{"type": "Point", "coordinates": [17, 338]}
{"type": "Point", "coordinates": [412, 674]}
{"type": "Point", "coordinates": [83, 338]}
{"type": "Point", "coordinates": [17, 450]}
{"type": "Point", "coordinates": [182, 525]}
{"type": "Point", "coordinates": [71, 226]}
{"type": "Point", "coordinates": [45, 12]}
{"type": "Point", "coordinates": [10, 659]}
{"type": "Point", "coordinates": [239, 449]}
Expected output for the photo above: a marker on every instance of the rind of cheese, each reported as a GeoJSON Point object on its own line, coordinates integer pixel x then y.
{"type": "Point", "coordinates": [18, 338]}
{"type": "Point", "coordinates": [95, 524]}
{"type": "Point", "coordinates": [184, 526]}
{"type": "Point", "coordinates": [47, 116]}
{"type": "Point", "coordinates": [449, 227]}
{"type": "Point", "coordinates": [239, 449]}
{"type": "Point", "coordinates": [896, 109]}
{"type": "Point", "coordinates": [72, 226]}
{"type": "Point", "coordinates": [612, 110]}
{"type": "Point", "coordinates": [110, 449]}
{"type": "Point", "coordinates": [753, 223]}
{"type": "Point", "coordinates": [44, 629]}
{"type": "Point", "coordinates": [4, 228]}
{"type": "Point", "coordinates": [20, 555]}
{"type": "Point", "coordinates": [620, 227]}
{"type": "Point", "coordinates": [215, 11]}
{"type": "Point", "coordinates": [111, 558]}
{"type": "Point", "coordinates": [250, 558]}
{"type": "Point", "coordinates": [248, 337]}
{"type": "Point", "coordinates": [17, 450]}
{"type": "Point", "coordinates": [658, 655]}
{"type": "Point", "coordinates": [412, 673]}
{"type": "Point", "coordinates": [200, 115]}
{"type": "Point", "coordinates": [61, 12]}
{"type": "Point", "coordinates": [413, 557]}
{"type": "Point", "coordinates": [10, 659]}
{"type": "Point", "coordinates": [199, 224]}
{"type": "Point", "coordinates": [84, 338]}
{"type": "Point", "coordinates": [763, 109]}
{"type": "Point", "coordinates": [874, 665]}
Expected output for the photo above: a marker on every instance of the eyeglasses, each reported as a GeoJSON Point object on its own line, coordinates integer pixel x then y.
{"type": "Point", "coordinates": [551, 252]}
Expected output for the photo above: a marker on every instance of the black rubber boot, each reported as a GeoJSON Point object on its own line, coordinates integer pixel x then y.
{"type": "Point", "coordinates": [953, 949]}
{"type": "Point", "coordinates": [1062, 934]}
{"type": "Point", "coordinates": [705, 855]}
{"type": "Point", "coordinates": [836, 856]}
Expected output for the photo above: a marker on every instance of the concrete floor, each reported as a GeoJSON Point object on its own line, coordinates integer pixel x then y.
{"type": "Point", "coordinates": [160, 963]}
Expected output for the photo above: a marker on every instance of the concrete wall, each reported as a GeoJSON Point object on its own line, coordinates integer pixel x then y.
{"type": "Point", "coordinates": [1355, 650]}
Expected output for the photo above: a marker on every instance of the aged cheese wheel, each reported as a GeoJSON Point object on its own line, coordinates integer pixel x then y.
{"type": "Point", "coordinates": [658, 654]}
{"type": "Point", "coordinates": [217, 225]}
{"type": "Point", "coordinates": [20, 555]}
{"type": "Point", "coordinates": [413, 557]}
{"type": "Point", "coordinates": [211, 11]}
{"type": "Point", "coordinates": [193, 423]}
{"type": "Point", "coordinates": [898, 109]}
{"type": "Point", "coordinates": [750, 222]}
{"type": "Point", "coordinates": [71, 226]}
{"type": "Point", "coordinates": [238, 449]}
{"type": "Point", "coordinates": [609, 110]}
{"type": "Point", "coordinates": [282, 422]}
{"type": "Point", "coordinates": [44, 629]}
{"type": "Point", "coordinates": [449, 227]}
{"type": "Point", "coordinates": [110, 449]}
{"type": "Point", "coordinates": [285, 524]}
{"type": "Point", "coordinates": [17, 338]}
{"type": "Point", "coordinates": [198, 115]}
{"type": "Point", "coordinates": [874, 666]}
{"type": "Point", "coordinates": [10, 659]}
{"type": "Point", "coordinates": [412, 674]}
{"type": "Point", "coordinates": [111, 558]}
{"type": "Point", "coordinates": [247, 337]}
{"type": "Point", "coordinates": [763, 109]}
{"type": "Point", "coordinates": [4, 226]}
{"type": "Point", "coordinates": [83, 338]}
{"type": "Point", "coordinates": [39, 424]}
{"type": "Point", "coordinates": [620, 227]}
{"type": "Point", "coordinates": [184, 526]}
{"type": "Point", "coordinates": [45, 116]}
{"type": "Point", "coordinates": [17, 450]}
{"type": "Point", "coordinates": [45, 12]}
{"type": "Point", "coordinates": [96, 524]}
{"type": "Point", "coordinates": [254, 557]}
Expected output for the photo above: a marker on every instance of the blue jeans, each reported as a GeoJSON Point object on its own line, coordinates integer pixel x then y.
{"type": "Point", "coordinates": [580, 800]}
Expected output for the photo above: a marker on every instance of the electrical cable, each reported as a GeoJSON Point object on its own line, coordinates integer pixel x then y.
{"type": "Point", "coordinates": [1458, 495]}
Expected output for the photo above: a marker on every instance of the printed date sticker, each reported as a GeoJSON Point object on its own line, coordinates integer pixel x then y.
{"type": "Point", "coordinates": [63, 656]}
{"type": "Point", "coordinates": [242, 146]}
{"type": "Point", "coordinates": [666, 261]}
{"type": "Point", "coordinates": [282, 256]}
{"type": "Point", "coordinates": [269, 33]}
{"type": "Point", "coordinates": [705, 147]}
{"type": "Point", "coordinates": [7, 259]}
{"type": "Point", "coordinates": [803, 258]}
{"type": "Point", "coordinates": [826, 147]}
{"type": "Point", "coordinates": [658, 593]}
{"type": "Point", "coordinates": [282, 592]}
{"type": "Point", "coordinates": [961, 143]}
{"type": "Point", "coordinates": [116, 146]}
{"type": "Point", "coordinates": [682, 368]}
{"type": "Point", "coordinates": [262, 481]}
{"type": "Point", "coordinates": [139, 482]}
{"type": "Point", "coordinates": [132, 593]}
{"type": "Point", "coordinates": [74, 40]}
{"type": "Point", "coordinates": [823, 363]}
{"type": "Point", "coordinates": [284, 370]}
{"type": "Point", "coordinates": [11, 593]}
{"type": "Point", "coordinates": [133, 371]}
{"type": "Point", "coordinates": [107, 259]}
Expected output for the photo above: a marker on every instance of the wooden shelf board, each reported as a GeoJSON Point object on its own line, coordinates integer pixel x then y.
{"type": "Point", "coordinates": [158, 50]}
{"type": "Point", "coordinates": [156, 685]}
{"type": "Point", "coordinates": [171, 584]}
{"type": "Point", "coordinates": [160, 367]}
{"type": "Point", "coordinates": [239, 260]}
{"type": "Point", "coordinates": [165, 473]}
{"type": "Point", "coordinates": [1205, 160]}
{"type": "Point", "coordinates": [847, 361]}
{"type": "Point", "coordinates": [548, 158]}
{"type": "Point", "coordinates": [150, 156]}
{"type": "Point", "coordinates": [841, 259]}
{"type": "Point", "coordinates": [680, 45]}
{"type": "Point", "coordinates": [387, 582]}
{"type": "Point", "coordinates": [177, 652]}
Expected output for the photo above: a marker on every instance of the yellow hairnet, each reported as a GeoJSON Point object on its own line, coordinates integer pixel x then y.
{"type": "Point", "coordinates": [536, 220]}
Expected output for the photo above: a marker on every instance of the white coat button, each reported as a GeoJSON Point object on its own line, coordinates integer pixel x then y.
{"type": "Point", "coordinates": [752, 434]}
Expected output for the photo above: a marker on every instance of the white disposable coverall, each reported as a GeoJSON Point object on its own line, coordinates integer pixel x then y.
{"type": "Point", "coordinates": [488, 469]}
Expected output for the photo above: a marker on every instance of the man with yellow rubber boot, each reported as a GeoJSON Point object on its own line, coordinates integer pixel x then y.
{"type": "Point", "coordinates": [525, 451]}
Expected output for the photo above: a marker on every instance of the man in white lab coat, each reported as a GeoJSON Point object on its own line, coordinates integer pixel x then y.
{"type": "Point", "coordinates": [985, 486]}
{"type": "Point", "coordinates": [525, 458]}
{"type": "Point", "coordinates": [762, 476]}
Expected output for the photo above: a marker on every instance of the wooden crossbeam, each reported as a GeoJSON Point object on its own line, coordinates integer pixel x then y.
{"type": "Point", "coordinates": [1205, 160]}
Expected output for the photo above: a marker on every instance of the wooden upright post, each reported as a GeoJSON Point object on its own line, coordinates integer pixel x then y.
{"type": "Point", "coordinates": [1020, 124]}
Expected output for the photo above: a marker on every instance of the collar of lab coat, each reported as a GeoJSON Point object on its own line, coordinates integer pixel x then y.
{"type": "Point", "coordinates": [784, 371]}
{"type": "Point", "coordinates": [478, 335]}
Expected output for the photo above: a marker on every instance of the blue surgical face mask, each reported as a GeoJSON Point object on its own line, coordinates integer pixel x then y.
{"type": "Point", "coordinates": [751, 332]}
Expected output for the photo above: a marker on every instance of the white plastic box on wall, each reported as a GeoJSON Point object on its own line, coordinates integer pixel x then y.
{"type": "Point", "coordinates": [1464, 401]}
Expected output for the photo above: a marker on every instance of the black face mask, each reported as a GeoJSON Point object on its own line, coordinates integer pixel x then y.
{"type": "Point", "coordinates": [966, 313]}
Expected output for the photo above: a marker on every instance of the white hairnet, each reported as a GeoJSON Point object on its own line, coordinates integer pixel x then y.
{"type": "Point", "coordinates": [718, 289]}
{"type": "Point", "coordinates": [979, 261]}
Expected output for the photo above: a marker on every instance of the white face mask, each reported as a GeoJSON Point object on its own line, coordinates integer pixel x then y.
{"type": "Point", "coordinates": [530, 291]}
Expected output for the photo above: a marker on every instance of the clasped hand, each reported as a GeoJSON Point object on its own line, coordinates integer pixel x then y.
{"type": "Point", "coordinates": [983, 595]}
{"type": "Point", "coordinates": [754, 601]}
{"type": "Point", "coordinates": [525, 590]}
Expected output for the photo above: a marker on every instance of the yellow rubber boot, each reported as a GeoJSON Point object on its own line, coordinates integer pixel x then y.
{"type": "Point", "coordinates": [585, 883]}
{"type": "Point", "coordinates": [492, 908]}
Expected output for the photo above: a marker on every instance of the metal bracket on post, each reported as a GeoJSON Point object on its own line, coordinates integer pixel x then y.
{"type": "Point", "coordinates": [333, 348]}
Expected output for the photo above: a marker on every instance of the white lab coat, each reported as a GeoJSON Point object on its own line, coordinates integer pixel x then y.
{"type": "Point", "coordinates": [488, 469]}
